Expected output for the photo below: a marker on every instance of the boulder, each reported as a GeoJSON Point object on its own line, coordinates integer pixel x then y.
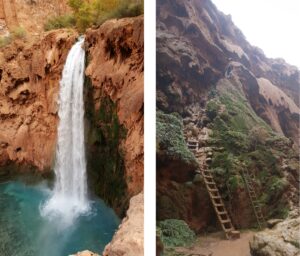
{"type": "Point", "coordinates": [129, 239]}
{"type": "Point", "coordinates": [282, 240]}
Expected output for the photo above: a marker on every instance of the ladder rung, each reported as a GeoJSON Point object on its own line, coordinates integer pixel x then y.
{"type": "Point", "coordinates": [226, 221]}
{"type": "Point", "coordinates": [213, 190]}
{"type": "Point", "coordinates": [218, 204]}
{"type": "Point", "coordinates": [210, 183]}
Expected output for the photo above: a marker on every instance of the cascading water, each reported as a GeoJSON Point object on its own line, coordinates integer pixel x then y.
{"type": "Point", "coordinates": [69, 198]}
{"type": "Point", "coordinates": [37, 221]}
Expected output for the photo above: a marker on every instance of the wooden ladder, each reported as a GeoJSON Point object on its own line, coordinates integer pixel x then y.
{"type": "Point", "coordinates": [214, 195]}
{"type": "Point", "coordinates": [249, 181]}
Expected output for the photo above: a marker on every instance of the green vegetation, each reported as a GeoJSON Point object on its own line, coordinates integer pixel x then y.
{"type": "Point", "coordinates": [63, 21]}
{"type": "Point", "coordinates": [5, 40]}
{"type": "Point", "coordinates": [248, 143]}
{"type": "Point", "coordinates": [174, 233]}
{"type": "Point", "coordinates": [170, 139]}
{"type": "Point", "coordinates": [94, 13]}
{"type": "Point", "coordinates": [15, 33]}
{"type": "Point", "coordinates": [106, 167]}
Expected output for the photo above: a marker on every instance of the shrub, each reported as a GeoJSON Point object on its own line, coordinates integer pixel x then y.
{"type": "Point", "coordinates": [258, 136]}
{"type": "Point", "coordinates": [175, 233]}
{"type": "Point", "coordinates": [130, 9]}
{"type": "Point", "coordinates": [212, 109]}
{"type": "Point", "coordinates": [18, 32]}
{"type": "Point", "coordinates": [170, 140]}
{"type": "Point", "coordinates": [95, 12]}
{"type": "Point", "coordinates": [64, 21]}
{"type": "Point", "coordinates": [15, 33]}
{"type": "Point", "coordinates": [5, 40]}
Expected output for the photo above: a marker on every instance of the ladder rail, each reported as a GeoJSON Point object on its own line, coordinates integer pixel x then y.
{"type": "Point", "coordinates": [220, 210]}
{"type": "Point", "coordinates": [253, 199]}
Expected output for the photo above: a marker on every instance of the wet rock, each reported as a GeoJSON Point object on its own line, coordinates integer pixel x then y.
{"type": "Point", "coordinates": [117, 46]}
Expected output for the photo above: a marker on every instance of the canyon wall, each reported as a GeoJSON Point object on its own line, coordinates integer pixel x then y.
{"type": "Point", "coordinates": [29, 14]}
{"type": "Point", "coordinates": [197, 45]}
{"type": "Point", "coordinates": [210, 78]}
{"type": "Point", "coordinates": [114, 106]}
{"type": "Point", "coordinates": [29, 84]}
{"type": "Point", "coordinates": [115, 70]}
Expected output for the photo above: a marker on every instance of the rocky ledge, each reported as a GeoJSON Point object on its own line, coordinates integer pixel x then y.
{"type": "Point", "coordinates": [129, 239]}
{"type": "Point", "coordinates": [282, 240]}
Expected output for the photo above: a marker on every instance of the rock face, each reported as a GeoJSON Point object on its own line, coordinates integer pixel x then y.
{"type": "Point", "coordinates": [129, 239]}
{"type": "Point", "coordinates": [282, 240]}
{"type": "Point", "coordinates": [29, 84]}
{"type": "Point", "coordinates": [197, 45]}
{"type": "Point", "coordinates": [28, 107]}
{"type": "Point", "coordinates": [29, 14]}
{"type": "Point", "coordinates": [114, 83]}
{"type": "Point", "coordinates": [115, 68]}
{"type": "Point", "coordinates": [213, 78]}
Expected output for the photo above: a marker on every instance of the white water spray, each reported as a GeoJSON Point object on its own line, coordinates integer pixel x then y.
{"type": "Point", "coordinates": [69, 199]}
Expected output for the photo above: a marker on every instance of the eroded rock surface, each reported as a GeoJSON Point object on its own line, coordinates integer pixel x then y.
{"type": "Point", "coordinates": [29, 85]}
{"type": "Point", "coordinates": [282, 240]}
{"type": "Point", "coordinates": [116, 68]}
{"type": "Point", "coordinates": [29, 14]}
{"type": "Point", "coordinates": [197, 45]}
{"type": "Point", "coordinates": [129, 239]}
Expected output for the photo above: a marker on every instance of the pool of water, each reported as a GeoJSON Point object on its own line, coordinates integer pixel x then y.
{"type": "Point", "coordinates": [25, 232]}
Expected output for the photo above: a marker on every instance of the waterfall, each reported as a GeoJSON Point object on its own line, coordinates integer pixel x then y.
{"type": "Point", "coordinates": [69, 198]}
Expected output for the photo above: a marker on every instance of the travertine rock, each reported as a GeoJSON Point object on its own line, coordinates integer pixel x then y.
{"type": "Point", "coordinates": [116, 69]}
{"type": "Point", "coordinates": [282, 240]}
{"type": "Point", "coordinates": [129, 239]}
{"type": "Point", "coordinates": [29, 84]}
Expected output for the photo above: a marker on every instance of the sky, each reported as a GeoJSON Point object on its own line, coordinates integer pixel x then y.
{"type": "Point", "coordinates": [272, 25]}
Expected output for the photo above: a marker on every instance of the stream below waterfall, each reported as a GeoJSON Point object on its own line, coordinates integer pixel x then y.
{"type": "Point", "coordinates": [25, 232]}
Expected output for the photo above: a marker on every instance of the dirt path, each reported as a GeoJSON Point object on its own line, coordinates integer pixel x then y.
{"type": "Point", "coordinates": [214, 245]}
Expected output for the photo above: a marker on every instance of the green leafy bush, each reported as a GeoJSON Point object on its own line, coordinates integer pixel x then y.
{"type": "Point", "coordinates": [212, 109]}
{"type": "Point", "coordinates": [18, 32]}
{"type": "Point", "coordinates": [175, 233]}
{"type": "Point", "coordinates": [170, 140]}
{"type": "Point", "coordinates": [96, 12]}
{"type": "Point", "coordinates": [63, 21]}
